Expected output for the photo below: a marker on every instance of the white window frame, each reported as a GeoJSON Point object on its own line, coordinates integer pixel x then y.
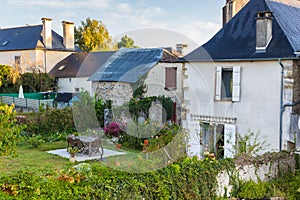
{"type": "Point", "coordinates": [236, 83]}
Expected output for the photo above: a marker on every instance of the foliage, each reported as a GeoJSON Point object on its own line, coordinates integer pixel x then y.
{"type": "Point", "coordinates": [9, 130]}
{"type": "Point", "coordinates": [35, 140]}
{"type": "Point", "coordinates": [53, 124]}
{"type": "Point", "coordinates": [5, 71]}
{"type": "Point", "coordinates": [114, 129]}
{"type": "Point", "coordinates": [143, 104]}
{"type": "Point", "coordinates": [92, 35]}
{"type": "Point", "coordinates": [250, 144]}
{"type": "Point", "coordinates": [100, 105]}
{"type": "Point", "coordinates": [126, 42]}
{"type": "Point", "coordinates": [84, 113]}
{"type": "Point", "coordinates": [38, 82]}
{"type": "Point", "coordinates": [73, 151]}
{"type": "Point", "coordinates": [163, 137]}
{"type": "Point", "coordinates": [185, 179]}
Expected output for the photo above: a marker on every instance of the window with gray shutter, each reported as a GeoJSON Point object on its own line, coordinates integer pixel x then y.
{"type": "Point", "coordinates": [170, 78]}
{"type": "Point", "coordinates": [228, 83]}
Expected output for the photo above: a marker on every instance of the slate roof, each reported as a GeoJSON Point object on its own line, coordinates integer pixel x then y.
{"type": "Point", "coordinates": [127, 65]}
{"type": "Point", "coordinates": [27, 37]}
{"type": "Point", "coordinates": [80, 64]}
{"type": "Point", "coordinates": [237, 39]}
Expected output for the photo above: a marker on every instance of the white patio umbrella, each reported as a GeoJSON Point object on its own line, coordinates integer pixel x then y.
{"type": "Point", "coordinates": [21, 94]}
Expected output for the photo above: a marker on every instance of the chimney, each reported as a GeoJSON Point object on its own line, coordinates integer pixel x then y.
{"type": "Point", "coordinates": [180, 47]}
{"type": "Point", "coordinates": [263, 30]}
{"type": "Point", "coordinates": [47, 32]}
{"type": "Point", "coordinates": [68, 34]}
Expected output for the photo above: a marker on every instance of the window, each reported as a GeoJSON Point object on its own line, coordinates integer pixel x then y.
{"type": "Point", "coordinates": [17, 60]}
{"type": "Point", "coordinates": [228, 83]}
{"type": "Point", "coordinates": [76, 89]}
{"type": "Point", "coordinates": [226, 87]}
{"type": "Point", "coordinates": [171, 78]}
{"type": "Point", "coordinates": [61, 67]}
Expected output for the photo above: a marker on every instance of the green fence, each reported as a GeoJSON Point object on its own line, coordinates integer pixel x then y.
{"type": "Point", "coordinates": [38, 96]}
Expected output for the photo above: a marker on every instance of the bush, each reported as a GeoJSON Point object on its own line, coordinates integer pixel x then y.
{"type": "Point", "coordinates": [9, 130]}
{"type": "Point", "coordinates": [50, 122]}
{"type": "Point", "coordinates": [185, 179]}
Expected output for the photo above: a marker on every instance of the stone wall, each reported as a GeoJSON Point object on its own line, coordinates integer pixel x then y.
{"type": "Point", "coordinates": [263, 168]}
{"type": "Point", "coordinates": [118, 92]}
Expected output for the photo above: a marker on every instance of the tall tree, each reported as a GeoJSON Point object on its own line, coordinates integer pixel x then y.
{"type": "Point", "coordinates": [126, 42]}
{"type": "Point", "coordinates": [92, 35]}
{"type": "Point", "coordinates": [5, 71]}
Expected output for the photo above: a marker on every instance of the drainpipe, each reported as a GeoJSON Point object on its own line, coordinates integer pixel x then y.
{"type": "Point", "coordinates": [281, 105]}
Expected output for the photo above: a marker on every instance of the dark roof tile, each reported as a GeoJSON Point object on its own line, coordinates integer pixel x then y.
{"type": "Point", "coordinates": [237, 39]}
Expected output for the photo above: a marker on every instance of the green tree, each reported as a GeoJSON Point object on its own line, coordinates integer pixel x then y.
{"type": "Point", "coordinates": [92, 35]}
{"type": "Point", "coordinates": [5, 72]}
{"type": "Point", "coordinates": [126, 42]}
{"type": "Point", "coordinates": [9, 130]}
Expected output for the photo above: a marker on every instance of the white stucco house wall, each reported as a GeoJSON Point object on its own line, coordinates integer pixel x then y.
{"type": "Point", "coordinates": [72, 72]}
{"type": "Point", "coordinates": [36, 46]}
{"type": "Point", "coordinates": [246, 79]}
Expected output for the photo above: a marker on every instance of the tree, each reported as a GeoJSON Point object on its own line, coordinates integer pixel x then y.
{"type": "Point", "coordinates": [92, 35]}
{"type": "Point", "coordinates": [9, 130]}
{"type": "Point", "coordinates": [126, 42]}
{"type": "Point", "coordinates": [5, 71]}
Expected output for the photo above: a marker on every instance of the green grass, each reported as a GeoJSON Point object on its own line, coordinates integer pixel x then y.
{"type": "Point", "coordinates": [30, 158]}
{"type": "Point", "coordinates": [35, 158]}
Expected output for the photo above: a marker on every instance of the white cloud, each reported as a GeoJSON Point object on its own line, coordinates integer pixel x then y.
{"type": "Point", "coordinates": [200, 31]}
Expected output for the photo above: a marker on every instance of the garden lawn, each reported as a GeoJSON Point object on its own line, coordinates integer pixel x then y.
{"type": "Point", "coordinates": [35, 158]}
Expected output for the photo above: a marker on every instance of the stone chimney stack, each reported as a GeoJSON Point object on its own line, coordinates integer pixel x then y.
{"type": "Point", "coordinates": [231, 8]}
{"type": "Point", "coordinates": [180, 48]}
{"type": "Point", "coordinates": [47, 32]}
{"type": "Point", "coordinates": [68, 34]}
{"type": "Point", "coordinates": [263, 30]}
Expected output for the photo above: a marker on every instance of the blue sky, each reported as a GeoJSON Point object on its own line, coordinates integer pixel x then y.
{"type": "Point", "coordinates": [194, 19]}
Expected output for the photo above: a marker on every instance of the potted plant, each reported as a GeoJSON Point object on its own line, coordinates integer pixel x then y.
{"type": "Point", "coordinates": [73, 151]}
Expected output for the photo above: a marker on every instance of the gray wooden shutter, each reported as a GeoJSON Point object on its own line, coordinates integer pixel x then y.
{"type": "Point", "coordinates": [218, 83]}
{"type": "Point", "coordinates": [236, 83]}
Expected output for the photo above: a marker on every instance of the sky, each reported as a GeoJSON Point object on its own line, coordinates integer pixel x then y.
{"type": "Point", "coordinates": [150, 23]}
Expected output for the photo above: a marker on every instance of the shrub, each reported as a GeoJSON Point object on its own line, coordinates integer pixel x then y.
{"type": "Point", "coordinates": [189, 178]}
{"type": "Point", "coordinates": [9, 130]}
{"type": "Point", "coordinates": [50, 122]}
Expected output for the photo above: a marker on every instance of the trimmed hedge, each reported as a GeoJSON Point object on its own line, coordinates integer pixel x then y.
{"type": "Point", "coordinates": [187, 179]}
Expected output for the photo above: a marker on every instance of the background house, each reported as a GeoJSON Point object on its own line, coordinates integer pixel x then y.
{"type": "Point", "coordinates": [246, 78]}
{"type": "Point", "coordinates": [36, 45]}
{"type": "Point", "coordinates": [129, 68]}
{"type": "Point", "coordinates": [73, 71]}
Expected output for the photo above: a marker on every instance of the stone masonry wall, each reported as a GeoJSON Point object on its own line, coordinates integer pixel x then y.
{"type": "Point", "coordinates": [118, 92]}
{"type": "Point", "coordinates": [264, 168]}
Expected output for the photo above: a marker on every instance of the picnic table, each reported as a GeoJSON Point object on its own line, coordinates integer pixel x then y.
{"type": "Point", "coordinates": [89, 145]}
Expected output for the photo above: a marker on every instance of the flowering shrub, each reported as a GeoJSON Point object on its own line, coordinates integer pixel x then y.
{"type": "Point", "coordinates": [114, 129]}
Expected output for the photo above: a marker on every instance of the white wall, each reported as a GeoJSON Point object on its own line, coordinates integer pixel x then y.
{"type": "Point", "coordinates": [259, 106]}
{"type": "Point", "coordinates": [34, 57]}
{"type": "Point", "coordinates": [69, 84]}
{"type": "Point", "coordinates": [155, 83]}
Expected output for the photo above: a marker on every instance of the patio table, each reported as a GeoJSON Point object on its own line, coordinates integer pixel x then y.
{"type": "Point", "coordinates": [91, 144]}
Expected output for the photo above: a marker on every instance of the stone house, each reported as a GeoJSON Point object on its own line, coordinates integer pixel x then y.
{"type": "Point", "coordinates": [156, 68]}
{"type": "Point", "coordinates": [246, 78]}
{"type": "Point", "coordinates": [36, 45]}
{"type": "Point", "coordinates": [72, 72]}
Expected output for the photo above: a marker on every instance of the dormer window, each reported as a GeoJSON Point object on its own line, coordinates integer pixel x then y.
{"type": "Point", "coordinates": [61, 67]}
{"type": "Point", "coordinates": [5, 43]}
